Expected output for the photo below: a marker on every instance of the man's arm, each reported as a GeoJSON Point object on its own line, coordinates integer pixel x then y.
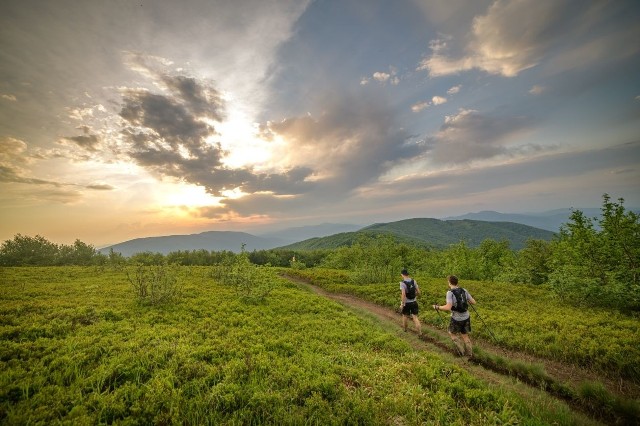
{"type": "Point", "coordinates": [446, 307]}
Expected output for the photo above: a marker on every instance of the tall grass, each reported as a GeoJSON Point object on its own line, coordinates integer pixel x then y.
{"type": "Point", "coordinates": [77, 348]}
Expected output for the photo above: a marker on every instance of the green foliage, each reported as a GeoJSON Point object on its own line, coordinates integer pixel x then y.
{"type": "Point", "coordinates": [79, 253]}
{"type": "Point", "coordinates": [24, 250]}
{"type": "Point", "coordinates": [249, 282]}
{"type": "Point", "coordinates": [596, 395]}
{"type": "Point", "coordinates": [147, 258]}
{"type": "Point", "coordinates": [157, 284]}
{"type": "Point", "coordinates": [76, 349]}
{"type": "Point", "coordinates": [531, 265]}
{"type": "Point", "coordinates": [377, 258]}
{"type": "Point", "coordinates": [599, 266]}
{"type": "Point", "coordinates": [116, 260]}
{"type": "Point", "coordinates": [283, 257]}
{"type": "Point", "coordinates": [199, 257]}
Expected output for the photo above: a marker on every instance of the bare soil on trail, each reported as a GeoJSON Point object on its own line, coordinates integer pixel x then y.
{"type": "Point", "coordinates": [571, 375]}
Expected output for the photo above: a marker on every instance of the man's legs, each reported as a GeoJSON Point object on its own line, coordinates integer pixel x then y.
{"type": "Point", "coordinates": [416, 322]}
{"type": "Point", "coordinates": [404, 322]}
{"type": "Point", "coordinates": [458, 344]}
{"type": "Point", "coordinates": [467, 345]}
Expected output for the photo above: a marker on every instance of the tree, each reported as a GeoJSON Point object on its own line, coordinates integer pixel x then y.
{"type": "Point", "coordinates": [599, 265]}
{"type": "Point", "coordinates": [28, 251]}
{"type": "Point", "coordinates": [533, 262]}
{"type": "Point", "coordinates": [621, 240]}
{"type": "Point", "coordinates": [78, 254]}
{"type": "Point", "coordinates": [493, 257]}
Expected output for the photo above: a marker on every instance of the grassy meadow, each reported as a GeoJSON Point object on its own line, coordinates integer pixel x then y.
{"type": "Point", "coordinates": [78, 347]}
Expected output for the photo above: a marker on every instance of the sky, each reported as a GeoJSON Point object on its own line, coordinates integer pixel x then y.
{"type": "Point", "coordinates": [122, 119]}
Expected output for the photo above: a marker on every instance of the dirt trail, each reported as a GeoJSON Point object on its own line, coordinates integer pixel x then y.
{"type": "Point", "coordinates": [564, 373]}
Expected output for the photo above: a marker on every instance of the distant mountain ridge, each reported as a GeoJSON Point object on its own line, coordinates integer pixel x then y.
{"type": "Point", "coordinates": [292, 235]}
{"type": "Point", "coordinates": [549, 220]}
{"type": "Point", "coordinates": [225, 240]}
{"type": "Point", "coordinates": [211, 241]}
{"type": "Point", "coordinates": [435, 233]}
{"type": "Point", "coordinates": [471, 227]}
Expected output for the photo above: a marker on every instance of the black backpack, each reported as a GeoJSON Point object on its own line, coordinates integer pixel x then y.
{"type": "Point", "coordinates": [410, 292]}
{"type": "Point", "coordinates": [460, 304]}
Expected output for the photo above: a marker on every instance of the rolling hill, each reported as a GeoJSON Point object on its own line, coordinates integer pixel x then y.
{"type": "Point", "coordinates": [420, 231]}
{"type": "Point", "coordinates": [435, 233]}
{"type": "Point", "coordinates": [211, 241]}
{"type": "Point", "coordinates": [226, 240]}
{"type": "Point", "coordinates": [549, 220]}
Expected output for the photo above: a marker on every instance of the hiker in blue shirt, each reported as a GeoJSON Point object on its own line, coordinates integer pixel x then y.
{"type": "Point", "coordinates": [409, 292]}
{"type": "Point", "coordinates": [457, 302]}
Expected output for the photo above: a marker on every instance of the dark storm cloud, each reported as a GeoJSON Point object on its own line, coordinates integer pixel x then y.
{"type": "Point", "coordinates": [168, 135]}
{"type": "Point", "coordinates": [203, 101]}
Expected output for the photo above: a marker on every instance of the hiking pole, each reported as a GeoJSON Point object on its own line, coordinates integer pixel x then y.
{"type": "Point", "coordinates": [439, 316]}
{"type": "Point", "coordinates": [484, 323]}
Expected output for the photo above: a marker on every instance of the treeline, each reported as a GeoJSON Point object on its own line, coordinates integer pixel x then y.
{"type": "Point", "coordinates": [591, 261]}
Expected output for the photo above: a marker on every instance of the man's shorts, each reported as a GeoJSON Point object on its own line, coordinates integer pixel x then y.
{"type": "Point", "coordinates": [462, 327]}
{"type": "Point", "coordinates": [410, 308]}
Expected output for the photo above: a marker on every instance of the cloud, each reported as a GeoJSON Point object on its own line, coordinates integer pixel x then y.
{"type": "Point", "coordinates": [100, 187]}
{"type": "Point", "coordinates": [558, 173]}
{"type": "Point", "coordinates": [513, 36]}
{"type": "Point", "coordinates": [257, 205]}
{"type": "Point", "coordinates": [87, 141]}
{"type": "Point", "coordinates": [381, 76]}
{"type": "Point", "coordinates": [355, 140]}
{"type": "Point", "coordinates": [420, 106]}
{"type": "Point", "coordinates": [11, 98]}
{"type": "Point", "coordinates": [15, 168]}
{"type": "Point", "coordinates": [12, 151]}
{"type": "Point", "coordinates": [438, 100]}
{"type": "Point", "coordinates": [172, 134]}
{"type": "Point", "coordinates": [455, 89]}
{"type": "Point", "coordinates": [352, 143]}
{"type": "Point", "coordinates": [470, 135]}
{"type": "Point", "coordinates": [14, 160]}
{"type": "Point", "coordinates": [537, 90]}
